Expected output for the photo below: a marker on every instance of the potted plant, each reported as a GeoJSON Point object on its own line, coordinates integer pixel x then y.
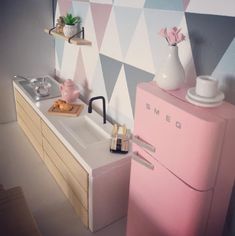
{"type": "Point", "coordinates": [71, 25]}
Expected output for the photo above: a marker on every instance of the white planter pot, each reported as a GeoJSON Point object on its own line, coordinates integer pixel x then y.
{"type": "Point", "coordinates": [171, 75]}
{"type": "Point", "coordinates": [70, 30]}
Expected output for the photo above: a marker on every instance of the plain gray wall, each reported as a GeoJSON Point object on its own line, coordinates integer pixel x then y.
{"type": "Point", "coordinates": [24, 47]}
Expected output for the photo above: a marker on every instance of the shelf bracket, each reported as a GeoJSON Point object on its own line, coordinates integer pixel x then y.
{"type": "Point", "coordinates": [72, 40]}
{"type": "Point", "coordinates": [81, 33]}
{"type": "Point", "coordinates": [51, 30]}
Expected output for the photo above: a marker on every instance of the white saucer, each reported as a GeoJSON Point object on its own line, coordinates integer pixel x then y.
{"type": "Point", "coordinates": [203, 104]}
{"type": "Point", "coordinates": [193, 95]}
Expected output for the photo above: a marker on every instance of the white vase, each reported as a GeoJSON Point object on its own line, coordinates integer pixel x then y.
{"type": "Point", "coordinates": [70, 30]}
{"type": "Point", "coordinates": [171, 75]}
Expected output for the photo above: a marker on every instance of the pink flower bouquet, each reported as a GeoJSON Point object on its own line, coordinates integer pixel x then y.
{"type": "Point", "coordinates": [173, 36]}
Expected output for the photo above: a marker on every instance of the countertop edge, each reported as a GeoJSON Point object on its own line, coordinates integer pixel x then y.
{"type": "Point", "coordinates": [91, 170]}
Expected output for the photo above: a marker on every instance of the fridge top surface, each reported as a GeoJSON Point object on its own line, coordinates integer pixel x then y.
{"type": "Point", "coordinates": [177, 98]}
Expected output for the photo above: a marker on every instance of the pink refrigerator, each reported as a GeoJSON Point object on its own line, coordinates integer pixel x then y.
{"type": "Point", "coordinates": [183, 165]}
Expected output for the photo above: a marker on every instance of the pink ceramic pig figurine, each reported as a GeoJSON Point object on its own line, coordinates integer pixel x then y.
{"type": "Point", "coordinates": [69, 91]}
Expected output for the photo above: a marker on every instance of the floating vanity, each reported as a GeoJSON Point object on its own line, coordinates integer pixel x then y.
{"type": "Point", "coordinates": [76, 152]}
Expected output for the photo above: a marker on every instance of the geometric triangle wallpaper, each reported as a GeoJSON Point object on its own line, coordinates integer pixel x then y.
{"type": "Point", "coordinates": [133, 77]}
{"type": "Point", "coordinates": [210, 36]}
{"type": "Point", "coordinates": [111, 69]}
{"type": "Point", "coordinates": [100, 13]}
{"type": "Point", "coordinates": [225, 72]}
{"type": "Point", "coordinates": [126, 28]}
{"type": "Point", "coordinates": [126, 48]}
{"type": "Point", "coordinates": [121, 99]}
{"type": "Point", "coordinates": [176, 5]}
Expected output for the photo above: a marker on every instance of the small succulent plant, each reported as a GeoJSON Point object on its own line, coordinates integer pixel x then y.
{"type": "Point", "coordinates": [69, 19]}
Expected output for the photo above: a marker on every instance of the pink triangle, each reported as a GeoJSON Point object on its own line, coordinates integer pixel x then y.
{"type": "Point", "coordinates": [64, 6]}
{"type": "Point", "coordinates": [80, 74]}
{"type": "Point", "coordinates": [186, 2]}
{"type": "Point", "coordinates": [100, 13]}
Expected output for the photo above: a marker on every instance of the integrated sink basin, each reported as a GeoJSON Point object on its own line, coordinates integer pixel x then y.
{"type": "Point", "coordinates": [85, 131]}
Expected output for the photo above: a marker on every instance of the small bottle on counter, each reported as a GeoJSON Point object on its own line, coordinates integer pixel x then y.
{"type": "Point", "coordinates": [119, 140]}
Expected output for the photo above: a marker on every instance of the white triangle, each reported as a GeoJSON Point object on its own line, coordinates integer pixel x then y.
{"type": "Point", "coordinates": [139, 53]}
{"type": "Point", "coordinates": [130, 3]}
{"type": "Point", "coordinates": [111, 44]}
{"type": "Point", "coordinates": [57, 67]}
{"type": "Point", "coordinates": [90, 54]}
{"type": "Point", "coordinates": [57, 12]}
{"type": "Point", "coordinates": [89, 29]}
{"type": "Point", "coordinates": [98, 85]}
{"type": "Point", "coordinates": [57, 15]}
{"type": "Point", "coordinates": [185, 54]}
{"type": "Point", "coordinates": [90, 58]}
{"type": "Point", "coordinates": [120, 106]}
{"type": "Point", "coordinates": [69, 61]}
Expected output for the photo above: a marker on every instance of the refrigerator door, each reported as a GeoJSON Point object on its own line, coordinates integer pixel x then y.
{"type": "Point", "coordinates": [161, 204]}
{"type": "Point", "coordinates": [185, 139]}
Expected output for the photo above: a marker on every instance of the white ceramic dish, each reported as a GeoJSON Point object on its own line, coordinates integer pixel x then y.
{"type": "Point", "coordinates": [193, 95]}
{"type": "Point", "coordinates": [203, 104]}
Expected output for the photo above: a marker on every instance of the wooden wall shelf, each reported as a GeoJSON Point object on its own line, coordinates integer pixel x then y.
{"type": "Point", "coordinates": [75, 40]}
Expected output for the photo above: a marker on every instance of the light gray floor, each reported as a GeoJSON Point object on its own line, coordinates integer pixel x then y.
{"type": "Point", "coordinates": [20, 165]}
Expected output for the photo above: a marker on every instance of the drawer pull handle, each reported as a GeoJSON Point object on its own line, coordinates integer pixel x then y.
{"type": "Point", "coordinates": [136, 139]}
{"type": "Point", "coordinates": [137, 157]}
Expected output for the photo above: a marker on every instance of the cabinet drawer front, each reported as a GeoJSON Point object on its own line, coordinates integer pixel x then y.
{"type": "Point", "coordinates": [30, 136]}
{"type": "Point", "coordinates": [28, 109]}
{"type": "Point", "coordinates": [24, 116]}
{"type": "Point", "coordinates": [75, 187]}
{"type": "Point", "coordinates": [81, 211]}
{"type": "Point", "coordinates": [72, 164]}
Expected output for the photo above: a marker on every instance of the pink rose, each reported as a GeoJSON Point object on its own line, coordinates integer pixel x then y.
{"type": "Point", "coordinates": [163, 32]}
{"type": "Point", "coordinates": [172, 36]}
{"type": "Point", "coordinates": [180, 37]}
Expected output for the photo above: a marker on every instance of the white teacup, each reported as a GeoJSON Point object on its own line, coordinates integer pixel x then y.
{"type": "Point", "coordinates": [206, 86]}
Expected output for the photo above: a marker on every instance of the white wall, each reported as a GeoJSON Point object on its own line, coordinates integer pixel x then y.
{"type": "Point", "coordinates": [24, 48]}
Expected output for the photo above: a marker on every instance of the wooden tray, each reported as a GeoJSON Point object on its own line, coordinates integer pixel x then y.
{"type": "Point", "coordinates": [77, 109]}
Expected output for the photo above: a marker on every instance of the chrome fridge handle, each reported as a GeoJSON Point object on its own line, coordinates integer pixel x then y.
{"type": "Point", "coordinates": [136, 139]}
{"type": "Point", "coordinates": [137, 157]}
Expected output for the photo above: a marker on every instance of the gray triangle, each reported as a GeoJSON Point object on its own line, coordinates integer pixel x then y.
{"type": "Point", "coordinates": [111, 69]}
{"type": "Point", "coordinates": [210, 36]}
{"type": "Point", "coordinates": [169, 5]}
{"type": "Point", "coordinates": [133, 77]}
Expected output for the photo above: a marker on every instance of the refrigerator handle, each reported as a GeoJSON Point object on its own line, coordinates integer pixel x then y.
{"type": "Point", "coordinates": [136, 139]}
{"type": "Point", "coordinates": [137, 157]}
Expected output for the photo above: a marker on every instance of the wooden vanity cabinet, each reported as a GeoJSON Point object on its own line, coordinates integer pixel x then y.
{"type": "Point", "coordinates": [67, 171]}
{"type": "Point", "coordinates": [29, 121]}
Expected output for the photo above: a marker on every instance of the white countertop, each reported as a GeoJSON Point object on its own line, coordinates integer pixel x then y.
{"type": "Point", "coordinates": [96, 158]}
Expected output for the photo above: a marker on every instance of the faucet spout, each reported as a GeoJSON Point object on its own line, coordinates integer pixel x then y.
{"type": "Point", "coordinates": [104, 106]}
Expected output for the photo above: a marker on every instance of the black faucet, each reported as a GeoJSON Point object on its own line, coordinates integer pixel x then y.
{"type": "Point", "coordinates": [104, 108]}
